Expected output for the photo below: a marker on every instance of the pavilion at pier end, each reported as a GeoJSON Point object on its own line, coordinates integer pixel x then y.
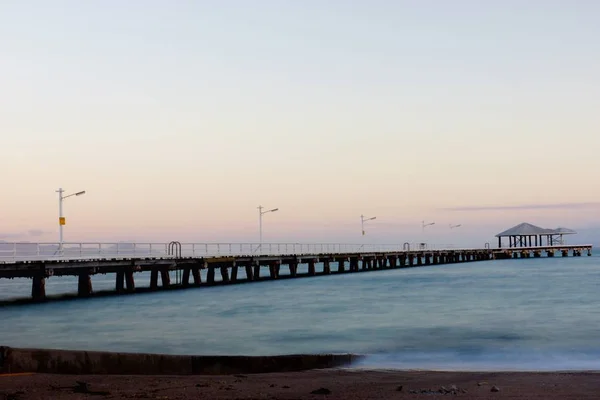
{"type": "Point", "coordinates": [529, 235]}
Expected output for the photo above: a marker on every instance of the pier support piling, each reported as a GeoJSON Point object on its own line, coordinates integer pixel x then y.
{"type": "Point", "coordinates": [165, 278]}
{"type": "Point", "coordinates": [224, 273]}
{"type": "Point", "coordinates": [129, 281]}
{"type": "Point", "coordinates": [185, 278]}
{"type": "Point", "coordinates": [249, 273]}
{"type": "Point", "coordinates": [154, 279]}
{"type": "Point", "coordinates": [293, 266]}
{"type": "Point", "coordinates": [84, 287]}
{"type": "Point", "coordinates": [38, 287]}
{"type": "Point", "coordinates": [257, 271]}
{"type": "Point", "coordinates": [311, 268]}
{"type": "Point", "coordinates": [197, 276]}
{"type": "Point", "coordinates": [120, 281]}
{"type": "Point", "coordinates": [393, 261]}
{"type": "Point", "coordinates": [273, 270]}
{"type": "Point", "coordinates": [210, 275]}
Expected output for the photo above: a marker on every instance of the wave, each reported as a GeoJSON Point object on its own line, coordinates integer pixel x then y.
{"type": "Point", "coordinates": [514, 360]}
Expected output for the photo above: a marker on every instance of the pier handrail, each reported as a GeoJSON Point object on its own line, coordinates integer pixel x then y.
{"type": "Point", "coordinates": [28, 251]}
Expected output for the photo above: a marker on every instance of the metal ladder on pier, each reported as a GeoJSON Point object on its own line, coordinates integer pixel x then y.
{"type": "Point", "coordinates": [174, 249]}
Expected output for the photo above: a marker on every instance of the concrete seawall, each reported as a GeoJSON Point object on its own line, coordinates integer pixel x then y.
{"type": "Point", "coordinates": [17, 360]}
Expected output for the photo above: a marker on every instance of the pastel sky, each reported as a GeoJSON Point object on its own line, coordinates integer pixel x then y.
{"type": "Point", "coordinates": [180, 117]}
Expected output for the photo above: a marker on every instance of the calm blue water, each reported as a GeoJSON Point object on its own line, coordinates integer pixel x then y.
{"type": "Point", "coordinates": [533, 314]}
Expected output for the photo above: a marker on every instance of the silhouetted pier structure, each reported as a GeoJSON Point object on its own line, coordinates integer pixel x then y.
{"type": "Point", "coordinates": [235, 263]}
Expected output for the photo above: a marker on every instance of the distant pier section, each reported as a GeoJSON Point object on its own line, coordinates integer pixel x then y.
{"type": "Point", "coordinates": [527, 240]}
{"type": "Point", "coordinates": [177, 265]}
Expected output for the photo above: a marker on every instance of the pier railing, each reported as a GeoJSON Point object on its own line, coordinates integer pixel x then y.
{"type": "Point", "coordinates": [25, 251]}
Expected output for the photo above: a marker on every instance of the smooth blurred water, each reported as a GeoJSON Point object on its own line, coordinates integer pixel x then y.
{"type": "Point", "coordinates": [531, 314]}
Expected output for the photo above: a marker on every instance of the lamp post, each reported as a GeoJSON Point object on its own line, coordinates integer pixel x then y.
{"type": "Point", "coordinates": [423, 245]}
{"type": "Point", "coordinates": [455, 226]}
{"type": "Point", "coordinates": [362, 223]}
{"type": "Point", "coordinates": [424, 224]}
{"type": "Point", "coordinates": [260, 214]}
{"type": "Point", "coordinates": [61, 218]}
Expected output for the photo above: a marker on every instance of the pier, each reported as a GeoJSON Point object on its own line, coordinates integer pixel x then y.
{"type": "Point", "coordinates": [229, 263]}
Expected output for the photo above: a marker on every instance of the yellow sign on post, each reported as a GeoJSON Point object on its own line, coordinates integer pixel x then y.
{"type": "Point", "coordinates": [61, 220]}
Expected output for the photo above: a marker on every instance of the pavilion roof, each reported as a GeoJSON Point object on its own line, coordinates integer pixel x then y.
{"type": "Point", "coordinates": [526, 229]}
{"type": "Point", "coordinates": [564, 231]}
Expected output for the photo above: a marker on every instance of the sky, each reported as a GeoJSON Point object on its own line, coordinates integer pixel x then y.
{"type": "Point", "coordinates": [180, 118]}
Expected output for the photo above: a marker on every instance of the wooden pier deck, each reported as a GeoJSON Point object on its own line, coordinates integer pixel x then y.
{"type": "Point", "coordinates": [224, 269]}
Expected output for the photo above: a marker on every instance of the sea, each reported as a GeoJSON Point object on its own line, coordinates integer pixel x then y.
{"type": "Point", "coordinates": [537, 314]}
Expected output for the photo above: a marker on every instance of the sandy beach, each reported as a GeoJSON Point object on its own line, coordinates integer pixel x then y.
{"type": "Point", "coordinates": [316, 384]}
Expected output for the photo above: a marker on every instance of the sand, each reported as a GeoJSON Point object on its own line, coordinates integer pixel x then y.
{"type": "Point", "coordinates": [339, 383]}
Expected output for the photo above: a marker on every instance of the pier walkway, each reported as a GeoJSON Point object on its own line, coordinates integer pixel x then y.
{"type": "Point", "coordinates": [228, 263]}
